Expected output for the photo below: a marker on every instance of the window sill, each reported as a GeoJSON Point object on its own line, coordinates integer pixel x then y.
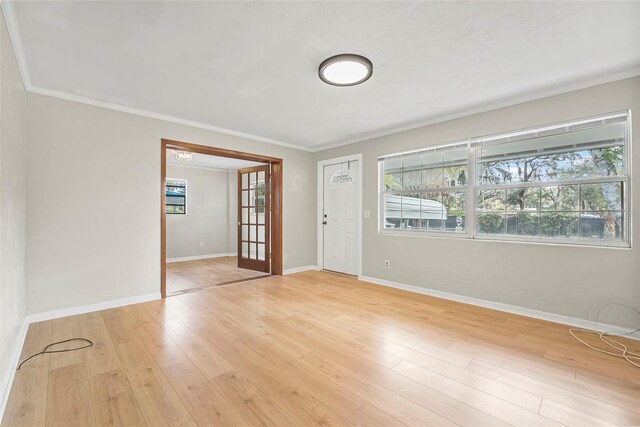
{"type": "Point", "coordinates": [502, 239]}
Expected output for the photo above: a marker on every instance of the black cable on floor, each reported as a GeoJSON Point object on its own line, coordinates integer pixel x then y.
{"type": "Point", "coordinates": [47, 351]}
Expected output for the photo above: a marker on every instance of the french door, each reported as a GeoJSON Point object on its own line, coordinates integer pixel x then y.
{"type": "Point", "coordinates": [254, 208]}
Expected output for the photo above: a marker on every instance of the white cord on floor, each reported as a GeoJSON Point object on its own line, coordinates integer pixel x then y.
{"type": "Point", "coordinates": [604, 337]}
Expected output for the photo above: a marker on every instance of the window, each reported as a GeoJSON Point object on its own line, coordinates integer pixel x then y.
{"type": "Point", "coordinates": [175, 196]}
{"type": "Point", "coordinates": [562, 183]}
{"type": "Point", "coordinates": [426, 190]}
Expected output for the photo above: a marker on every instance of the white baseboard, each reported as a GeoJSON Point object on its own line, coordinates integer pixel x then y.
{"type": "Point", "coordinates": [523, 311]}
{"type": "Point", "coordinates": [8, 376]}
{"type": "Point", "coordinates": [72, 311]}
{"type": "Point", "coordinates": [10, 373]}
{"type": "Point", "coordinates": [299, 269]}
{"type": "Point", "coordinates": [197, 257]}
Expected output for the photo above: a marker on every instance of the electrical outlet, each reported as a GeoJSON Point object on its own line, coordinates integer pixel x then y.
{"type": "Point", "coordinates": [284, 256]}
{"type": "Point", "coordinates": [202, 244]}
{"type": "Point", "coordinates": [366, 214]}
{"type": "Point", "coordinates": [387, 263]}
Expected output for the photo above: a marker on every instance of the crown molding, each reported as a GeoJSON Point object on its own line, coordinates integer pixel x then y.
{"type": "Point", "coordinates": [14, 34]}
{"type": "Point", "coordinates": [16, 41]}
{"type": "Point", "coordinates": [559, 90]}
{"type": "Point", "coordinates": [164, 117]}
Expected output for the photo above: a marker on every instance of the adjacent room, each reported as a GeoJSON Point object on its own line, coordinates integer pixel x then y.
{"type": "Point", "coordinates": [354, 213]}
{"type": "Point", "coordinates": [201, 207]}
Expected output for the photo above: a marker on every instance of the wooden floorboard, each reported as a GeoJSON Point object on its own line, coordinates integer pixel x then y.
{"type": "Point", "coordinates": [316, 348]}
{"type": "Point", "coordinates": [189, 276]}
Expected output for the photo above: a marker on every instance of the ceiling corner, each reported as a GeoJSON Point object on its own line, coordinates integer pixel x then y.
{"type": "Point", "coordinates": [16, 41]}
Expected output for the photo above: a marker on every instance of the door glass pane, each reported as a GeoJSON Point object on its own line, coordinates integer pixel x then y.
{"type": "Point", "coordinates": [261, 218]}
{"type": "Point", "coordinates": [245, 198]}
{"type": "Point", "coordinates": [245, 250]}
{"type": "Point", "coordinates": [245, 181]}
{"type": "Point", "coordinates": [261, 254]}
{"type": "Point", "coordinates": [252, 250]}
{"type": "Point", "coordinates": [245, 232]}
{"type": "Point", "coordinates": [261, 233]}
{"type": "Point", "coordinates": [252, 179]}
{"type": "Point", "coordinates": [260, 195]}
{"type": "Point", "coordinates": [252, 233]}
{"type": "Point", "coordinates": [245, 215]}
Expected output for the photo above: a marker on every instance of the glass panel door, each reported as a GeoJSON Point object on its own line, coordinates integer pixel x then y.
{"type": "Point", "coordinates": [254, 195]}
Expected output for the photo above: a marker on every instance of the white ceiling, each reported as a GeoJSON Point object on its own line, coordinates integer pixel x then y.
{"type": "Point", "coordinates": [211, 162]}
{"type": "Point", "coordinates": [251, 67]}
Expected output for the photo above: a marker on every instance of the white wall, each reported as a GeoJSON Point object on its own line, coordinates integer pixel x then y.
{"type": "Point", "coordinates": [553, 278]}
{"type": "Point", "coordinates": [232, 215]}
{"type": "Point", "coordinates": [93, 196]}
{"type": "Point", "coordinates": [207, 218]}
{"type": "Point", "coordinates": [13, 142]}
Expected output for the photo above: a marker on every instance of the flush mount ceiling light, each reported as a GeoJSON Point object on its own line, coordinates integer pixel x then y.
{"type": "Point", "coordinates": [345, 70]}
{"type": "Point", "coordinates": [183, 156]}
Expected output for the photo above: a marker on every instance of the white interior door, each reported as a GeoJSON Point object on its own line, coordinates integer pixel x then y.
{"type": "Point", "coordinates": [340, 217]}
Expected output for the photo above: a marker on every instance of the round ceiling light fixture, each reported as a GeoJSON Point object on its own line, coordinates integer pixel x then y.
{"type": "Point", "coordinates": [346, 69]}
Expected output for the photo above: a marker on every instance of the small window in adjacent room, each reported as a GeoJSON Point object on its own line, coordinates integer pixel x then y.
{"type": "Point", "coordinates": [176, 196]}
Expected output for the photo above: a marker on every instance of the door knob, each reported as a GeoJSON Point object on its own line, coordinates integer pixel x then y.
{"type": "Point", "coordinates": [238, 223]}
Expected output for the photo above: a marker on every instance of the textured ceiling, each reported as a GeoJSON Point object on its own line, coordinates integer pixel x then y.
{"type": "Point", "coordinates": [251, 67]}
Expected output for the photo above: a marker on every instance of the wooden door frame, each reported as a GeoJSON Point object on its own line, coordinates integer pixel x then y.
{"type": "Point", "coordinates": [276, 200]}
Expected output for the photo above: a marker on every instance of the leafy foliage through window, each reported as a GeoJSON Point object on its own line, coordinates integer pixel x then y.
{"type": "Point", "coordinates": [426, 190]}
{"type": "Point", "coordinates": [567, 182]}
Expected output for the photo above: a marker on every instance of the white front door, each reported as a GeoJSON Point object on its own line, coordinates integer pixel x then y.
{"type": "Point", "coordinates": [340, 217]}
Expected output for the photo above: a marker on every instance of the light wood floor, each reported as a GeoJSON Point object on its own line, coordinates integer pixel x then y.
{"type": "Point", "coordinates": [189, 275]}
{"type": "Point", "coordinates": [317, 348]}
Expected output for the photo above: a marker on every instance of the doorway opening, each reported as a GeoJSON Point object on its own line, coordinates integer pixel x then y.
{"type": "Point", "coordinates": [221, 217]}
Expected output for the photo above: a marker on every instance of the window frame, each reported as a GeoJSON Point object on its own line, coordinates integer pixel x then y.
{"type": "Point", "coordinates": [186, 193]}
{"type": "Point", "coordinates": [473, 188]}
